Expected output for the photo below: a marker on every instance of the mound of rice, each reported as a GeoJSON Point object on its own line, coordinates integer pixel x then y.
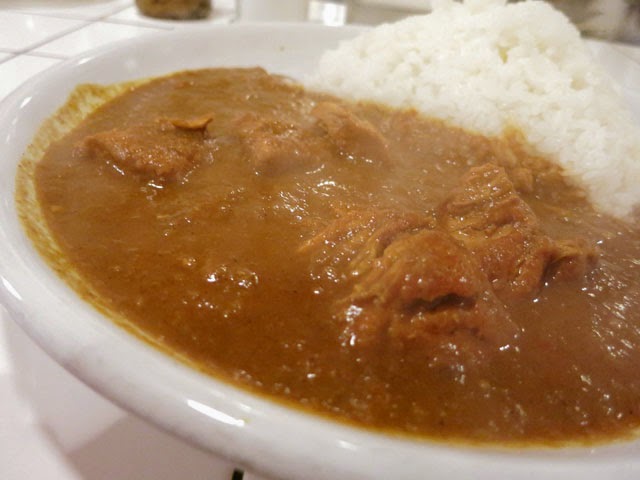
{"type": "Point", "coordinates": [486, 65]}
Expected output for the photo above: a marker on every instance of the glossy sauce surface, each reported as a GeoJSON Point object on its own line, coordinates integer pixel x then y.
{"type": "Point", "coordinates": [338, 256]}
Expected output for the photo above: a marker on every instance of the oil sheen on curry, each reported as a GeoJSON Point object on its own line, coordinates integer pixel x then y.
{"type": "Point", "coordinates": [369, 264]}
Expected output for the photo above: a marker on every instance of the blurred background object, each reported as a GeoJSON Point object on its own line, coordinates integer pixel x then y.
{"type": "Point", "coordinates": [272, 10]}
{"type": "Point", "coordinates": [175, 9]}
{"type": "Point", "coordinates": [607, 19]}
{"type": "Point", "coordinates": [617, 20]}
{"type": "Point", "coordinates": [330, 12]}
{"type": "Point", "coordinates": [373, 12]}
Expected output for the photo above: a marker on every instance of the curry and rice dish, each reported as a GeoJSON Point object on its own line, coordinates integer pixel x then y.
{"type": "Point", "coordinates": [370, 264]}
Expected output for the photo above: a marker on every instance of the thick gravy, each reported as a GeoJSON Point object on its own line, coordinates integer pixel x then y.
{"type": "Point", "coordinates": [369, 264]}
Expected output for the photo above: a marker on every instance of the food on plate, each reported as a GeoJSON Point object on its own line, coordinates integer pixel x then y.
{"type": "Point", "coordinates": [370, 263]}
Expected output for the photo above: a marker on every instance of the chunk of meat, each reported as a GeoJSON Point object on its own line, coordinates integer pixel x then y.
{"type": "Point", "coordinates": [486, 215]}
{"type": "Point", "coordinates": [424, 288]}
{"type": "Point", "coordinates": [522, 179]}
{"type": "Point", "coordinates": [353, 137]}
{"type": "Point", "coordinates": [198, 122]}
{"type": "Point", "coordinates": [573, 258]}
{"type": "Point", "coordinates": [275, 146]}
{"type": "Point", "coordinates": [349, 244]}
{"type": "Point", "coordinates": [422, 270]}
{"type": "Point", "coordinates": [409, 283]}
{"type": "Point", "coordinates": [157, 149]}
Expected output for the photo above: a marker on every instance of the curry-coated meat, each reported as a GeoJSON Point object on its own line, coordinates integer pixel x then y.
{"type": "Point", "coordinates": [353, 137]}
{"type": "Point", "coordinates": [424, 288]}
{"type": "Point", "coordinates": [157, 149]}
{"type": "Point", "coordinates": [356, 238]}
{"type": "Point", "coordinates": [487, 216]}
{"type": "Point", "coordinates": [275, 146]}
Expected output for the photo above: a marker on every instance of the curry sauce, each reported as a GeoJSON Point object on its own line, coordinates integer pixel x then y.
{"type": "Point", "coordinates": [369, 264]}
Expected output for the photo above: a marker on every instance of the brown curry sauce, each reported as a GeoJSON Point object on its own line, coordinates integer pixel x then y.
{"type": "Point", "coordinates": [370, 264]}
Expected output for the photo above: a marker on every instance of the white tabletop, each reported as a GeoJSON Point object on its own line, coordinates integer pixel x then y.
{"type": "Point", "coordinates": [51, 425]}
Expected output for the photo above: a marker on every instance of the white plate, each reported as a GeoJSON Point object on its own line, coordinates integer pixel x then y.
{"type": "Point", "coordinates": [262, 436]}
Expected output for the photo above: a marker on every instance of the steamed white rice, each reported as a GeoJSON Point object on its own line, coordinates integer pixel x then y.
{"type": "Point", "coordinates": [486, 65]}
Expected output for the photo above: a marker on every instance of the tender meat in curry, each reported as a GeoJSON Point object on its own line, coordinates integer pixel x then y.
{"type": "Point", "coordinates": [383, 268]}
{"type": "Point", "coordinates": [273, 146]}
{"type": "Point", "coordinates": [424, 289]}
{"type": "Point", "coordinates": [352, 137]}
{"type": "Point", "coordinates": [486, 215]}
{"type": "Point", "coordinates": [162, 149]}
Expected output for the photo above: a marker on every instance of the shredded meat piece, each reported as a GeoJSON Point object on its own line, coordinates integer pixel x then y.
{"type": "Point", "coordinates": [275, 146]}
{"type": "Point", "coordinates": [423, 288]}
{"type": "Point", "coordinates": [426, 267]}
{"type": "Point", "coordinates": [357, 238]}
{"type": "Point", "coordinates": [157, 149]}
{"type": "Point", "coordinates": [353, 137]}
{"type": "Point", "coordinates": [486, 215]}
{"type": "Point", "coordinates": [410, 283]}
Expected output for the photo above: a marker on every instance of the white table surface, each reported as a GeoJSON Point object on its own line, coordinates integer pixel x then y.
{"type": "Point", "coordinates": [51, 425]}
